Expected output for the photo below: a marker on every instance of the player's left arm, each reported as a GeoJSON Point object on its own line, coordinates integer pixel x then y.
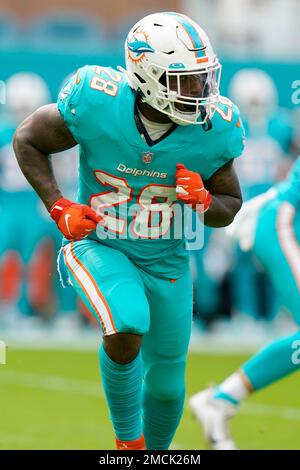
{"type": "Point", "coordinates": [226, 197]}
{"type": "Point", "coordinates": [219, 197]}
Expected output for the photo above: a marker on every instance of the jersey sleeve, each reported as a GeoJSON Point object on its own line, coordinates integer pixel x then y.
{"type": "Point", "coordinates": [235, 138]}
{"type": "Point", "coordinates": [78, 104]}
{"type": "Point", "coordinates": [71, 102]}
{"type": "Point", "coordinates": [229, 139]}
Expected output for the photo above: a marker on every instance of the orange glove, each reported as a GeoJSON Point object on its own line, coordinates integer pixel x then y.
{"type": "Point", "coordinates": [190, 188]}
{"type": "Point", "coordinates": [75, 221]}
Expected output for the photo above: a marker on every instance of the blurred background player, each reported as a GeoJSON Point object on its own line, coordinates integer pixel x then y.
{"type": "Point", "coordinates": [269, 226]}
{"type": "Point", "coordinates": [28, 243]}
{"type": "Point", "coordinates": [268, 156]}
{"type": "Point", "coordinates": [26, 256]}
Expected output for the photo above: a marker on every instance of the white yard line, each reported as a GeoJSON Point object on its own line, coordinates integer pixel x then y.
{"type": "Point", "coordinates": [56, 384]}
{"type": "Point", "coordinates": [50, 382]}
{"type": "Point", "coordinates": [93, 389]}
{"type": "Point", "coordinates": [259, 409]}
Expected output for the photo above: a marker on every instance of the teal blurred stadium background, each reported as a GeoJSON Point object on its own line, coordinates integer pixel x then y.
{"type": "Point", "coordinates": [232, 294]}
{"type": "Point", "coordinates": [56, 39]}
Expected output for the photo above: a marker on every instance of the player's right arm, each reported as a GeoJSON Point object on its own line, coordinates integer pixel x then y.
{"type": "Point", "coordinates": [40, 135]}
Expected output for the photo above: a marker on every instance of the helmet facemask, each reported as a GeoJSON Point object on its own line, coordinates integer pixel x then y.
{"type": "Point", "coordinates": [186, 96]}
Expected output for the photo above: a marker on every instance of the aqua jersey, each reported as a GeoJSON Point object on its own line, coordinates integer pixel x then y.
{"type": "Point", "coordinates": [289, 189]}
{"type": "Point", "coordinates": [278, 126]}
{"type": "Point", "coordinates": [123, 175]}
{"type": "Point", "coordinates": [267, 147]}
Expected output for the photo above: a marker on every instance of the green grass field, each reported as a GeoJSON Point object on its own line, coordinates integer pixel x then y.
{"type": "Point", "coordinates": [53, 400]}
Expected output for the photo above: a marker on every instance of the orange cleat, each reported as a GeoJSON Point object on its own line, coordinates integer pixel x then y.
{"type": "Point", "coordinates": [137, 444]}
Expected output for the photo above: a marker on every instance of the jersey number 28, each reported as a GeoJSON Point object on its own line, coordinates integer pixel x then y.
{"type": "Point", "coordinates": [151, 214]}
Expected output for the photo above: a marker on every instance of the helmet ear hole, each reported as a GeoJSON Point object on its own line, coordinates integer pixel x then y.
{"type": "Point", "coordinates": [140, 79]}
{"type": "Point", "coordinates": [163, 79]}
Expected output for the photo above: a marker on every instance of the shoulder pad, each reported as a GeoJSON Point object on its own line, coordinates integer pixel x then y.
{"type": "Point", "coordinates": [226, 115]}
{"type": "Point", "coordinates": [91, 88]}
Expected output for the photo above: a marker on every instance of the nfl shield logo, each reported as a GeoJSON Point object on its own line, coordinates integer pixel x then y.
{"type": "Point", "coordinates": [147, 157]}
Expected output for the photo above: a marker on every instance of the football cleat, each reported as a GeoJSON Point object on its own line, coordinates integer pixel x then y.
{"type": "Point", "coordinates": [137, 444]}
{"type": "Point", "coordinates": [213, 415]}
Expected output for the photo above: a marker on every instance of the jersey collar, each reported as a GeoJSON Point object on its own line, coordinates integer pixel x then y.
{"type": "Point", "coordinates": [143, 131]}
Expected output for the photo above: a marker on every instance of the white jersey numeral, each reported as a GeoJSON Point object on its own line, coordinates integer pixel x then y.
{"type": "Point", "coordinates": [152, 213]}
{"type": "Point", "coordinates": [228, 115]}
{"type": "Point", "coordinates": [153, 220]}
{"type": "Point", "coordinates": [100, 83]}
{"type": "Point", "coordinates": [102, 201]}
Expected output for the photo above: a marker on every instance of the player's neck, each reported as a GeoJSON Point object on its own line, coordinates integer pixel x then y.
{"type": "Point", "coordinates": [152, 114]}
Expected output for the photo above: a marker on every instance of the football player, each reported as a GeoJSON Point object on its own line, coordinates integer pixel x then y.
{"type": "Point", "coordinates": [269, 225]}
{"type": "Point", "coordinates": [25, 92]}
{"type": "Point", "coordinates": [154, 136]}
{"type": "Point", "coordinates": [267, 158]}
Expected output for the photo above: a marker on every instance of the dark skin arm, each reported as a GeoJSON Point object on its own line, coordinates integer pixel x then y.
{"type": "Point", "coordinates": [40, 135]}
{"type": "Point", "coordinates": [226, 197]}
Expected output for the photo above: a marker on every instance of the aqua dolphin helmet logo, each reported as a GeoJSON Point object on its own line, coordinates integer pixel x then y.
{"type": "Point", "coordinates": [138, 45]}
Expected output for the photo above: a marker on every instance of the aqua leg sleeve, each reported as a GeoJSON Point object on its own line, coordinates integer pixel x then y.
{"type": "Point", "coordinates": [164, 351]}
{"type": "Point", "coordinates": [122, 385]}
{"type": "Point", "coordinates": [275, 361]}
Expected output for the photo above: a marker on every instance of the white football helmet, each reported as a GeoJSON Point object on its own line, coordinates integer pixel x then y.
{"type": "Point", "coordinates": [25, 92]}
{"type": "Point", "coordinates": [170, 61]}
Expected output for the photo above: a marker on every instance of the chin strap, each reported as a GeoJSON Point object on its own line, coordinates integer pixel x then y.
{"type": "Point", "coordinates": [207, 126]}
